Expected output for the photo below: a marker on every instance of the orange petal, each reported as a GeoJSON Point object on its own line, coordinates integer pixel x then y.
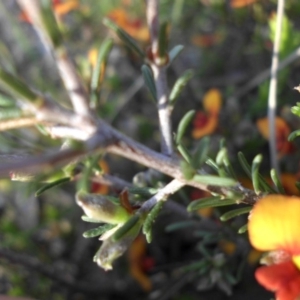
{"type": "Point", "coordinates": [63, 8]}
{"type": "Point", "coordinates": [288, 181]}
{"type": "Point", "coordinates": [241, 3]}
{"type": "Point", "coordinates": [282, 133]}
{"type": "Point", "coordinates": [274, 224]}
{"type": "Point", "coordinates": [281, 127]}
{"type": "Point", "coordinates": [209, 128]}
{"type": "Point", "coordinates": [212, 101]}
{"type": "Point", "coordinates": [284, 279]}
{"type": "Point", "coordinates": [136, 253]}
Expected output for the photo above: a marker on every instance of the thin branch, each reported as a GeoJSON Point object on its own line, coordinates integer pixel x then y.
{"type": "Point", "coordinates": [273, 88]}
{"type": "Point", "coordinates": [160, 77]}
{"type": "Point", "coordinates": [162, 195]}
{"type": "Point", "coordinates": [74, 86]}
{"type": "Point", "coordinates": [18, 123]}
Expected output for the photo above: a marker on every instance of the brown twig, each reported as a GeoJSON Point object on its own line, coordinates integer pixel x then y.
{"type": "Point", "coordinates": [18, 123]}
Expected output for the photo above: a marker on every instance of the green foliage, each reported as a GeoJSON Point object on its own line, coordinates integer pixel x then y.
{"type": "Point", "coordinates": [150, 219]}
{"type": "Point", "coordinates": [149, 81]}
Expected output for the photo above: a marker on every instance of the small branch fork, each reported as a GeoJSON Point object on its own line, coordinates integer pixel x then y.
{"type": "Point", "coordinates": [96, 135]}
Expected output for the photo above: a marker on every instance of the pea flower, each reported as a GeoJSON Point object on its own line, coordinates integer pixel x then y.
{"type": "Point", "coordinates": [205, 123]}
{"type": "Point", "coordinates": [274, 226]}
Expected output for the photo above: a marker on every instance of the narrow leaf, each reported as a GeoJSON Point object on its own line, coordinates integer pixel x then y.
{"type": "Point", "coordinates": [50, 24]}
{"type": "Point", "coordinates": [185, 153]}
{"type": "Point", "coordinates": [125, 228]}
{"type": "Point", "coordinates": [124, 36]}
{"type": "Point", "coordinates": [201, 152]}
{"type": "Point", "coordinates": [90, 220]}
{"type": "Point", "coordinates": [255, 174]}
{"type": "Point", "coordinates": [18, 88]}
{"type": "Point", "coordinates": [175, 52]}
{"type": "Point", "coordinates": [234, 213]}
{"type": "Point", "coordinates": [183, 124]}
{"type": "Point", "coordinates": [179, 85]}
{"type": "Point", "coordinates": [143, 192]}
{"type": "Point", "coordinates": [214, 180]}
{"type": "Point", "coordinates": [51, 185]}
{"type": "Point", "coordinates": [99, 69]}
{"type": "Point", "coordinates": [98, 231]}
{"type": "Point", "coordinates": [213, 201]}
{"type": "Point", "coordinates": [212, 164]}
{"type": "Point", "coordinates": [277, 182]}
{"type": "Point", "coordinates": [180, 225]}
{"type": "Point", "coordinates": [163, 41]}
{"type": "Point", "coordinates": [149, 81]}
{"type": "Point", "coordinates": [243, 162]}
{"type": "Point", "coordinates": [151, 217]}
{"type": "Point", "coordinates": [243, 229]}
{"type": "Point", "coordinates": [247, 169]}
{"type": "Point", "coordinates": [294, 134]}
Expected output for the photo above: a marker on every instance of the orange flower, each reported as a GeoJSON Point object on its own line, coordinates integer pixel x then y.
{"type": "Point", "coordinates": [138, 260]}
{"type": "Point", "coordinates": [241, 3]}
{"type": "Point", "coordinates": [133, 27]}
{"type": "Point", "coordinates": [60, 8]}
{"type": "Point", "coordinates": [206, 123]}
{"type": "Point", "coordinates": [282, 133]}
{"type": "Point", "coordinates": [274, 226]}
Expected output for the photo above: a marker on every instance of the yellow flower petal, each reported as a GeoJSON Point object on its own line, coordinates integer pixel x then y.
{"type": "Point", "coordinates": [212, 101]}
{"type": "Point", "coordinates": [274, 224]}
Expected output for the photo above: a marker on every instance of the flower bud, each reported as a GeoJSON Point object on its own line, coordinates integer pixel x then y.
{"type": "Point", "coordinates": [100, 208]}
{"type": "Point", "coordinates": [110, 250]}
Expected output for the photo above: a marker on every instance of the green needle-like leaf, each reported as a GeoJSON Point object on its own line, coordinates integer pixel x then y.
{"type": "Point", "coordinates": [18, 88]}
{"type": "Point", "coordinates": [163, 41]}
{"type": "Point", "coordinates": [90, 220]}
{"type": "Point", "coordinates": [50, 24]}
{"type": "Point", "coordinates": [103, 53]}
{"type": "Point", "coordinates": [243, 229]}
{"type": "Point", "coordinates": [277, 182]}
{"type": "Point", "coordinates": [98, 231]}
{"type": "Point", "coordinates": [124, 36]}
{"type": "Point", "coordinates": [201, 152]}
{"type": "Point", "coordinates": [51, 185]}
{"type": "Point", "coordinates": [294, 134]}
{"type": "Point", "coordinates": [255, 174]}
{"type": "Point", "coordinates": [175, 52]}
{"type": "Point", "coordinates": [125, 228]}
{"type": "Point", "coordinates": [179, 85]}
{"type": "Point", "coordinates": [185, 153]}
{"type": "Point", "coordinates": [234, 213]}
{"type": "Point", "coordinates": [209, 202]}
{"type": "Point", "coordinates": [214, 180]}
{"type": "Point", "coordinates": [151, 217]}
{"type": "Point", "coordinates": [183, 124]}
{"type": "Point", "coordinates": [149, 81]}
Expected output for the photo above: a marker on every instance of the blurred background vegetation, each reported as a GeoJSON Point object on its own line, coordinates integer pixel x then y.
{"type": "Point", "coordinates": [227, 44]}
